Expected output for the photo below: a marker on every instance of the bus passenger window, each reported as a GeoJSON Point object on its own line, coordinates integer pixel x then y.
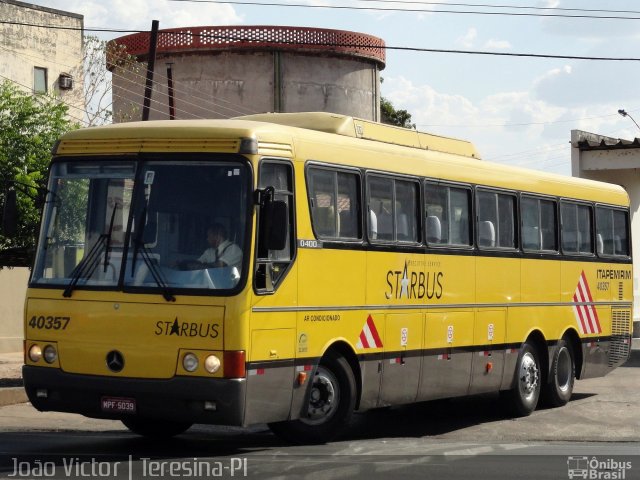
{"type": "Point", "coordinates": [334, 201]}
{"type": "Point", "coordinates": [577, 231]}
{"type": "Point", "coordinates": [497, 209]}
{"type": "Point", "coordinates": [538, 217]}
{"type": "Point", "coordinates": [393, 209]}
{"type": "Point", "coordinates": [381, 203]}
{"type": "Point", "coordinates": [406, 209]}
{"type": "Point", "coordinates": [447, 215]}
{"type": "Point", "coordinates": [548, 225]}
{"type": "Point", "coordinates": [612, 228]}
{"type": "Point", "coordinates": [348, 209]}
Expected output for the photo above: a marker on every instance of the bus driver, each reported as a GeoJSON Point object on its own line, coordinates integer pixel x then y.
{"type": "Point", "coordinates": [222, 252]}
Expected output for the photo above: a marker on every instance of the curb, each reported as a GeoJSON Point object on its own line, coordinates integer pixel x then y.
{"type": "Point", "coordinates": [12, 395]}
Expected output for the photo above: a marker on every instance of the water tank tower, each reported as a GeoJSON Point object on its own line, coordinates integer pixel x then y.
{"type": "Point", "coordinates": [220, 72]}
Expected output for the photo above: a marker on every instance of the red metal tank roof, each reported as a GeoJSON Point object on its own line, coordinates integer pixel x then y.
{"type": "Point", "coordinates": [257, 37]}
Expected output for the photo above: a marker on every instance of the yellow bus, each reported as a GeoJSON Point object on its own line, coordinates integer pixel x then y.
{"type": "Point", "coordinates": [291, 269]}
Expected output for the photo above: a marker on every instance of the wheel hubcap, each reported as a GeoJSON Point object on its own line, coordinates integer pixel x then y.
{"type": "Point", "coordinates": [324, 397]}
{"type": "Point", "coordinates": [529, 376]}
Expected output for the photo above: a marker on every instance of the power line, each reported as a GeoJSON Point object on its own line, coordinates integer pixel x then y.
{"type": "Point", "coordinates": [59, 100]}
{"type": "Point", "coordinates": [78, 29]}
{"type": "Point", "coordinates": [463, 12]}
{"type": "Point", "coordinates": [178, 89]}
{"type": "Point", "coordinates": [348, 45]}
{"type": "Point", "coordinates": [511, 7]}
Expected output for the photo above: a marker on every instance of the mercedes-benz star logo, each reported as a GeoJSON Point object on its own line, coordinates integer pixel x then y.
{"type": "Point", "coordinates": [115, 361]}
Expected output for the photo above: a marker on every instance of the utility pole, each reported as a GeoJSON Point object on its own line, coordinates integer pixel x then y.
{"type": "Point", "coordinates": [172, 108]}
{"type": "Point", "coordinates": [151, 63]}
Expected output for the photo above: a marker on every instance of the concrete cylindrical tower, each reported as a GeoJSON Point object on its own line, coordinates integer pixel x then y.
{"type": "Point", "coordinates": [221, 72]}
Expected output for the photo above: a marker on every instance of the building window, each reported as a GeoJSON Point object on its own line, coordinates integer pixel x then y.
{"type": "Point", "coordinates": [39, 80]}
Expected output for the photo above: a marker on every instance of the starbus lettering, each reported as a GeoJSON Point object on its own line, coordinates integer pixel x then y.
{"type": "Point", "coordinates": [410, 284]}
{"type": "Point", "coordinates": [187, 329]}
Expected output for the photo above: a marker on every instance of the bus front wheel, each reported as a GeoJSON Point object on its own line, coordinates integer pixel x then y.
{"type": "Point", "coordinates": [523, 398]}
{"type": "Point", "coordinates": [329, 406]}
{"type": "Point", "coordinates": [558, 390]}
{"type": "Point", "coordinates": [155, 428]}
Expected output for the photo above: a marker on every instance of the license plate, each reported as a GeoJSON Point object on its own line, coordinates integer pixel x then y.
{"type": "Point", "coordinates": [118, 405]}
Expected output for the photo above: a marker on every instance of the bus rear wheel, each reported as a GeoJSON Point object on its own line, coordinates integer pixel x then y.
{"type": "Point", "coordinates": [558, 390]}
{"type": "Point", "coordinates": [155, 427]}
{"type": "Point", "coordinates": [330, 404]}
{"type": "Point", "coordinates": [522, 399]}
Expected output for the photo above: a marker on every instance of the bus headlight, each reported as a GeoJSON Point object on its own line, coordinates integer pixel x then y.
{"type": "Point", "coordinates": [190, 362]}
{"type": "Point", "coordinates": [35, 353]}
{"type": "Point", "coordinates": [212, 364]}
{"type": "Point", "coordinates": [50, 354]}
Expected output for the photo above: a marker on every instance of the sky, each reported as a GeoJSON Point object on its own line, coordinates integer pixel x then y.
{"type": "Point", "coordinates": [516, 110]}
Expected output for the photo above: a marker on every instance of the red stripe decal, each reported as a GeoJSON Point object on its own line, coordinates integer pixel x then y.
{"type": "Point", "coordinates": [374, 332]}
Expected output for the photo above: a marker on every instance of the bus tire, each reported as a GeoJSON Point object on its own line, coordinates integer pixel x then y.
{"type": "Point", "coordinates": [330, 404]}
{"type": "Point", "coordinates": [155, 428]}
{"type": "Point", "coordinates": [522, 399]}
{"type": "Point", "coordinates": [559, 388]}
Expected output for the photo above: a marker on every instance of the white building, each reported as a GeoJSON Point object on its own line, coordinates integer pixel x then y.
{"type": "Point", "coordinates": [41, 51]}
{"type": "Point", "coordinates": [37, 58]}
{"type": "Point", "coordinates": [615, 161]}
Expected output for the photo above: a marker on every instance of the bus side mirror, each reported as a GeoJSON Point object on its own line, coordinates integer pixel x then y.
{"type": "Point", "coordinates": [10, 214]}
{"type": "Point", "coordinates": [274, 225]}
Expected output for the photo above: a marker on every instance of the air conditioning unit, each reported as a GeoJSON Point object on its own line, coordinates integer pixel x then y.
{"type": "Point", "coordinates": [65, 81]}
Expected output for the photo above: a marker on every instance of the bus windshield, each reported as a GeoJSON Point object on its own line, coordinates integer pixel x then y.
{"type": "Point", "coordinates": [145, 225]}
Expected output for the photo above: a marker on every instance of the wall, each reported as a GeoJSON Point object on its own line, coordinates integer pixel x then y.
{"type": "Point", "coordinates": [229, 84]}
{"type": "Point", "coordinates": [13, 288]}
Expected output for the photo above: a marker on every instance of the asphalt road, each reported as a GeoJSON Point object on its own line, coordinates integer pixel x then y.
{"type": "Point", "coordinates": [597, 435]}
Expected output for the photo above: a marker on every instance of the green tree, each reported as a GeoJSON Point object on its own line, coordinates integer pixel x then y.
{"type": "Point", "coordinates": [391, 116]}
{"type": "Point", "coordinates": [29, 126]}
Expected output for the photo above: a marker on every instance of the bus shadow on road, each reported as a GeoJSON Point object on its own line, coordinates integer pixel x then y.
{"type": "Point", "coordinates": [434, 418]}
{"type": "Point", "coordinates": [428, 418]}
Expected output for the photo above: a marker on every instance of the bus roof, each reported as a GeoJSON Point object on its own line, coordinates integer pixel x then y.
{"type": "Point", "coordinates": [368, 130]}
{"type": "Point", "coordinates": [324, 137]}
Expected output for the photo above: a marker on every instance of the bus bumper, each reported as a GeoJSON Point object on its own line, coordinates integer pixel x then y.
{"type": "Point", "coordinates": [186, 399]}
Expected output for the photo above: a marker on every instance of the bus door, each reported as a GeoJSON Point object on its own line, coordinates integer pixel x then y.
{"type": "Point", "coordinates": [446, 363]}
{"type": "Point", "coordinates": [402, 358]}
{"type": "Point", "coordinates": [488, 360]}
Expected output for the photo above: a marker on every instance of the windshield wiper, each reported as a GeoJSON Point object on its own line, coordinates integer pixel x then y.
{"type": "Point", "coordinates": [88, 264]}
{"type": "Point", "coordinates": [138, 242]}
{"type": "Point", "coordinates": [156, 273]}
